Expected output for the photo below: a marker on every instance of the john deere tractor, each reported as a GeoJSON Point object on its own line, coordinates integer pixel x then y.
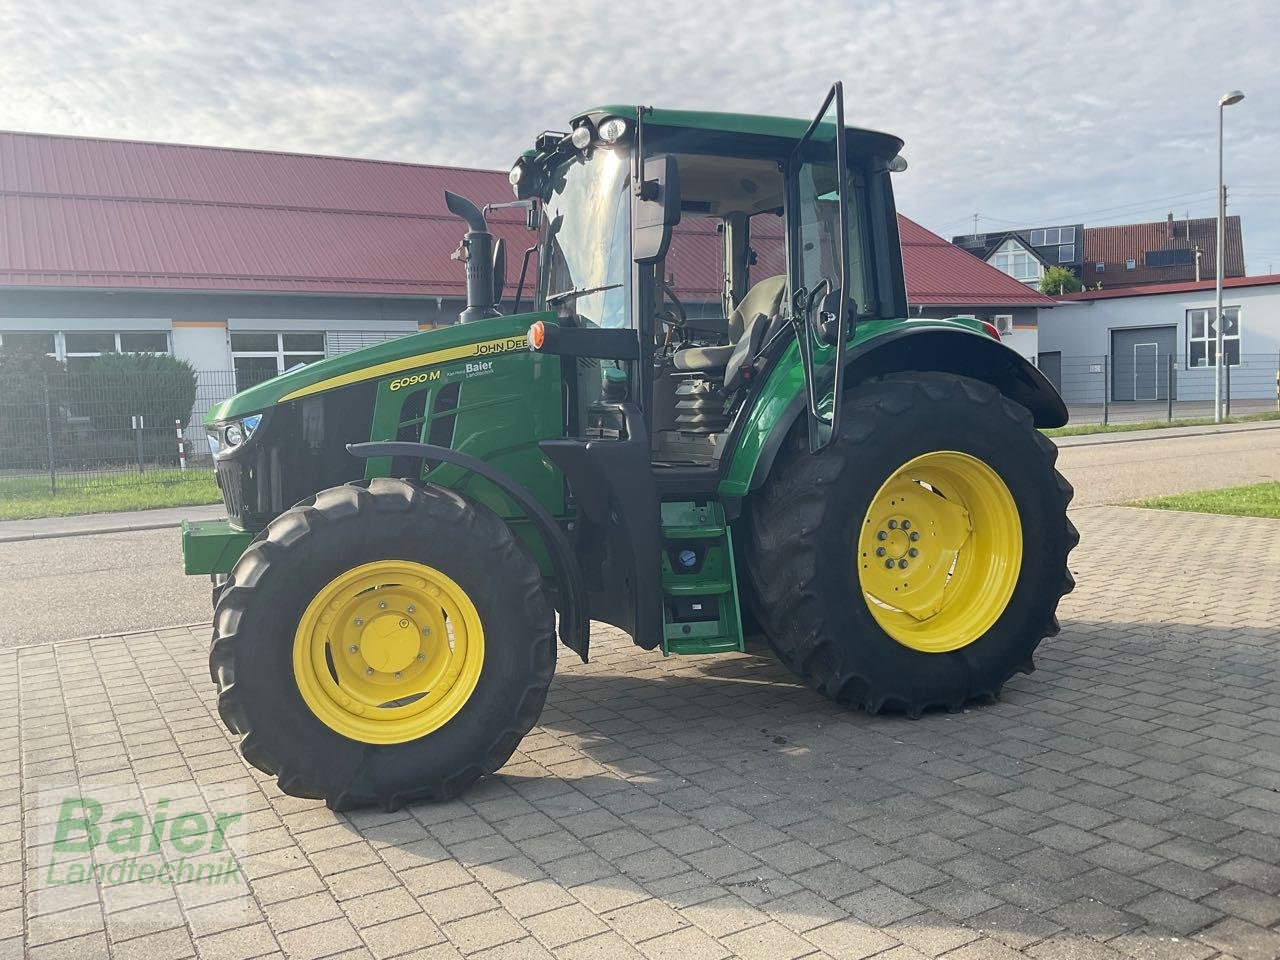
{"type": "Point", "coordinates": [788, 454]}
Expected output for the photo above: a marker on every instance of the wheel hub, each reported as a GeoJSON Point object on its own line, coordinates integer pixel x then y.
{"type": "Point", "coordinates": [390, 643]}
{"type": "Point", "coordinates": [939, 551]}
{"type": "Point", "coordinates": [388, 651]}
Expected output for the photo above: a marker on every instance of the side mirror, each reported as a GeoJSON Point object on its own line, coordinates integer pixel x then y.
{"type": "Point", "coordinates": [656, 209]}
{"type": "Point", "coordinates": [499, 269]}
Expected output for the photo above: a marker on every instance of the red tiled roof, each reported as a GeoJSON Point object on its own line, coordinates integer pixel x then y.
{"type": "Point", "coordinates": [939, 273]}
{"type": "Point", "coordinates": [1112, 246]}
{"type": "Point", "coordinates": [1185, 286]}
{"type": "Point", "coordinates": [90, 213]}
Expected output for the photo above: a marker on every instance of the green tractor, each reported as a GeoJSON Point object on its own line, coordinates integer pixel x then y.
{"type": "Point", "coordinates": [410, 525]}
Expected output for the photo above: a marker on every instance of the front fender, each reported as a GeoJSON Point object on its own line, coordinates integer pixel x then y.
{"type": "Point", "coordinates": [949, 348]}
{"type": "Point", "coordinates": [575, 621]}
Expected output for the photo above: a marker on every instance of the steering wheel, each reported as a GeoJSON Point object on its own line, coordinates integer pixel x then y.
{"type": "Point", "coordinates": [681, 316]}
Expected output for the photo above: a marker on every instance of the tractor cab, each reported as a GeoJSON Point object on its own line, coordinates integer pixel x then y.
{"type": "Point", "coordinates": [710, 239]}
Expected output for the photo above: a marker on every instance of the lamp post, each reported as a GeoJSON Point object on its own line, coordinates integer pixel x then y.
{"type": "Point", "coordinates": [1226, 100]}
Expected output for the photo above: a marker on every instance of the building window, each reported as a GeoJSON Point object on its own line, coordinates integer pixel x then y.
{"type": "Point", "coordinates": [1099, 267]}
{"type": "Point", "coordinates": [1202, 337]}
{"type": "Point", "coordinates": [31, 342]}
{"type": "Point", "coordinates": [77, 347]}
{"type": "Point", "coordinates": [1037, 238]}
{"type": "Point", "coordinates": [1067, 253]}
{"type": "Point", "coordinates": [261, 356]}
{"type": "Point", "coordinates": [1131, 264]}
{"type": "Point", "coordinates": [1012, 258]}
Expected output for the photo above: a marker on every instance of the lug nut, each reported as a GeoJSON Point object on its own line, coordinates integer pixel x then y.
{"type": "Point", "coordinates": [382, 604]}
{"type": "Point", "coordinates": [397, 674]}
{"type": "Point", "coordinates": [353, 648]}
{"type": "Point", "coordinates": [906, 524]}
{"type": "Point", "coordinates": [426, 631]}
{"type": "Point", "coordinates": [880, 551]}
{"type": "Point", "coordinates": [359, 621]}
{"type": "Point", "coordinates": [902, 564]}
{"type": "Point", "coordinates": [422, 657]}
{"type": "Point", "coordinates": [893, 524]}
{"type": "Point", "coordinates": [881, 535]}
{"type": "Point", "coordinates": [888, 564]}
{"type": "Point", "coordinates": [368, 671]}
{"type": "Point", "coordinates": [913, 552]}
{"type": "Point", "coordinates": [410, 608]}
{"type": "Point", "coordinates": [915, 535]}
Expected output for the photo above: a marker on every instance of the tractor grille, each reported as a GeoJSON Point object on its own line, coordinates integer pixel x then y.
{"type": "Point", "coordinates": [230, 480]}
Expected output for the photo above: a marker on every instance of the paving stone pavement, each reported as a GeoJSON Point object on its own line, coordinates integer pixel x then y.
{"type": "Point", "coordinates": [1122, 801]}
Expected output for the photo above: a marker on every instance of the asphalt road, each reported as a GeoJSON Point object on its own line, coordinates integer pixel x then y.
{"type": "Point", "coordinates": [113, 583]}
{"type": "Point", "coordinates": [95, 585]}
{"type": "Point", "coordinates": [1117, 472]}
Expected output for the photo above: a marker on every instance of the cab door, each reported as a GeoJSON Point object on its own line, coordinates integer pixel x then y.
{"type": "Point", "coordinates": [822, 309]}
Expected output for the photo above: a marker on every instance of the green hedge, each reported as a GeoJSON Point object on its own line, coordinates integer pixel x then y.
{"type": "Point", "coordinates": [115, 387]}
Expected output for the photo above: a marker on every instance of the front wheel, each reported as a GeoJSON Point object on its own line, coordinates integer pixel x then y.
{"type": "Point", "coordinates": [918, 560]}
{"type": "Point", "coordinates": [382, 644]}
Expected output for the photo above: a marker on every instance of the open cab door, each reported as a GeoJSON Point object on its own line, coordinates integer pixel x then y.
{"type": "Point", "coordinates": [818, 263]}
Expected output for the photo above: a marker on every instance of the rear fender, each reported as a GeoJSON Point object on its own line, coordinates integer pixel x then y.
{"type": "Point", "coordinates": [950, 349]}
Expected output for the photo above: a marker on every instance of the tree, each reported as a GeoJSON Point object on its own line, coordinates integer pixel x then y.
{"type": "Point", "coordinates": [1059, 280]}
{"type": "Point", "coordinates": [33, 396]}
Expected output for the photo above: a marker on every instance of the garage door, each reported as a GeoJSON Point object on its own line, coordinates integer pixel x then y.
{"type": "Point", "coordinates": [1140, 362]}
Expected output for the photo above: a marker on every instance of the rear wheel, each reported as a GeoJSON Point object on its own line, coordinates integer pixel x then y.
{"type": "Point", "coordinates": [919, 559]}
{"type": "Point", "coordinates": [382, 644]}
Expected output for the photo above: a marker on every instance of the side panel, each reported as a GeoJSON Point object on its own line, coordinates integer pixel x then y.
{"type": "Point", "coordinates": [495, 408]}
{"type": "Point", "coordinates": [885, 347]}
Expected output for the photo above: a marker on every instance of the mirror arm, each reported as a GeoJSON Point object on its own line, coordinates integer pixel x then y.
{"type": "Point", "coordinates": [524, 266]}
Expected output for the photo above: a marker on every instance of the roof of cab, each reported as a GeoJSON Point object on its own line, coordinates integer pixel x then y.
{"type": "Point", "coordinates": [750, 124]}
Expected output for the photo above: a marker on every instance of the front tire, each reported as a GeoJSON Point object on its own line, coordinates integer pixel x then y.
{"type": "Point", "coordinates": [878, 613]}
{"type": "Point", "coordinates": [382, 644]}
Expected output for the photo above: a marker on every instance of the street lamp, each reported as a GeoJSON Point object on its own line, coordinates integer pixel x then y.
{"type": "Point", "coordinates": [1226, 100]}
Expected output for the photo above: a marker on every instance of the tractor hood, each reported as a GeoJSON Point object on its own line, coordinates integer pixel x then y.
{"type": "Point", "coordinates": [405, 356]}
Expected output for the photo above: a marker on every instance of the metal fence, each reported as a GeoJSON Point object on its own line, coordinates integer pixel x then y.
{"type": "Point", "coordinates": [65, 432]}
{"type": "Point", "coordinates": [61, 432]}
{"type": "Point", "coordinates": [1148, 385]}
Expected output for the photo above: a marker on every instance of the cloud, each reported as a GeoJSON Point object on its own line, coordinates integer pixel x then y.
{"type": "Point", "coordinates": [1021, 111]}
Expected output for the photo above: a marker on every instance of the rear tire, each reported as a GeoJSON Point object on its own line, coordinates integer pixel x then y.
{"type": "Point", "coordinates": [804, 554]}
{"type": "Point", "coordinates": [262, 616]}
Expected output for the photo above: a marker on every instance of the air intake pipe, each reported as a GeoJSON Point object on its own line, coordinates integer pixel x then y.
{"type": "Point", "coordinates": [484, 258]}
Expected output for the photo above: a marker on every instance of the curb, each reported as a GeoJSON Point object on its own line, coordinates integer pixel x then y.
{"type": "Point", "coordinates": [1135, 436]}
{"type": "Point", "coordinates": [88, 531]}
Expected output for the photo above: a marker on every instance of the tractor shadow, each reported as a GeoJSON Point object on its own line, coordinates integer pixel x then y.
{"type": "Point", "coordinates": [721, 784]}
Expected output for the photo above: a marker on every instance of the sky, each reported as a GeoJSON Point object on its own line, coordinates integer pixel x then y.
{"type": "Point", "coordinates": [1022, 112]}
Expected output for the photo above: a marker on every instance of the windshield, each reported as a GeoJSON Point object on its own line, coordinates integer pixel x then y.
{"type": "Point", "coordinates": [586, 236]}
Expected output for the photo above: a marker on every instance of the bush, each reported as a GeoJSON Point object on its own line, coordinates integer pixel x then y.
{"type": "Point", "coordinates": [116, 387]}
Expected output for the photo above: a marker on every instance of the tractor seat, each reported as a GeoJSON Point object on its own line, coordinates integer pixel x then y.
{"type": "Point", "coordinates": [763, 299]}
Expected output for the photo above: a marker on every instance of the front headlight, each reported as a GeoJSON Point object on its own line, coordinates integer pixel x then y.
{"type": "Point", "coordinates": [233, 433]}
{"type": "Point", "coordinates": [612, 129]}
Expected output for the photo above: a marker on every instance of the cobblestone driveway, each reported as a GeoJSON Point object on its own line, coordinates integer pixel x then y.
{"type": "Point", "coordinates": [1121, 801]}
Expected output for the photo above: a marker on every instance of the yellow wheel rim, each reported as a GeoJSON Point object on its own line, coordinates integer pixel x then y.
{"type": "Point", "coordinates": [388, 651]}
{"type": "Point", "coordinates": [939, 551]}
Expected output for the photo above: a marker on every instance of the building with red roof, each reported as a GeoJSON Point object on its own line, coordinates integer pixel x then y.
{"type": "Point", "coordinates": [255, 260]}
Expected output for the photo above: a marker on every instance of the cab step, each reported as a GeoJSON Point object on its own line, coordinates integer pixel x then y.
{"type": "Point", "coordinates": [700, 610]}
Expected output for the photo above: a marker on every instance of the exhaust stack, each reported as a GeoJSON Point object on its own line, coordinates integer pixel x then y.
{"type": "Point", "coordinates": [485, 263]}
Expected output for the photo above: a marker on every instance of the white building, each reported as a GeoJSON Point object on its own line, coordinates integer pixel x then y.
{"type": "Point", "coordinates": [1150, 337]}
